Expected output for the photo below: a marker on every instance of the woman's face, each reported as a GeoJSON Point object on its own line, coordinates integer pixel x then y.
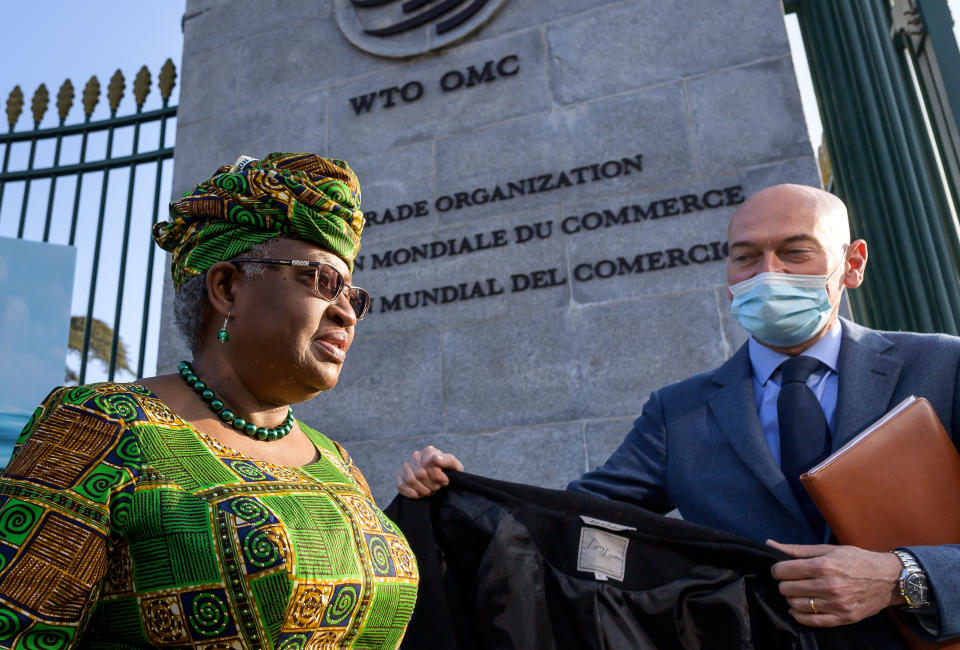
{"type": "Point", "coordinates": [288, 342]}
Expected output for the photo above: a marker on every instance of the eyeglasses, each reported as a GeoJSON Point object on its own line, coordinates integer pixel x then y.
{"type": "Point", "coordinates": [328, 282]}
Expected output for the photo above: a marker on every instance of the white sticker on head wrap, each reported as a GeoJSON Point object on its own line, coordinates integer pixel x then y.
{"type": "Point", "coordinates": [242, 163]}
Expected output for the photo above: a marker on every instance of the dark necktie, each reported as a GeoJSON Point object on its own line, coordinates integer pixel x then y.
{"type": "Point", "coordinates": [804, 435]}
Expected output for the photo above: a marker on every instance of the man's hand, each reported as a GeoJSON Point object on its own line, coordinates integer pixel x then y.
{"type": "Point", "coordinates": [423, 474]}
{"type": "Point", "coordinates": [846, 583]}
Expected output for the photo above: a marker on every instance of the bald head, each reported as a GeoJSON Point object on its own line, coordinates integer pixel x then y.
{"type": "Point", "coordinates": [795, 229]}
{"type": "Point", "coordinates": [803, 207]}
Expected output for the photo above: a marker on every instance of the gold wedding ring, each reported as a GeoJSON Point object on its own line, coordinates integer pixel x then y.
{"type": "Point", "coordinates": [813, 608]}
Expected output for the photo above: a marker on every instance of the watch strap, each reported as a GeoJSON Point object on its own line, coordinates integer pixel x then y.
{"type": "Point", "coordinates": [910, 568]}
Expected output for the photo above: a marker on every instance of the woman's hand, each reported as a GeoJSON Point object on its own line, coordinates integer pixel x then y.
{"type": "Point", "coordinates": [423, 474]}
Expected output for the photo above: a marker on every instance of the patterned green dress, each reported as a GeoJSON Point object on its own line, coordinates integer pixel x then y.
{"type": "Point", "coordinates": [123, 527]}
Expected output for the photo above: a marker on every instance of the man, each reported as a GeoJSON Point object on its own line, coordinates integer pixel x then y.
{"type": "Point", "coordinates": [719, 447]}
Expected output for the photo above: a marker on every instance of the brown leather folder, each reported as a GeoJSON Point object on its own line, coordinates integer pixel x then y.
{"type": "Point", "coordinates": [895, 484]}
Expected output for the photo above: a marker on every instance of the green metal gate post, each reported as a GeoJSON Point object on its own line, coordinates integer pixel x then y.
{"type": "Point", "coordinates": [923, 29]}
{"type": "Point", "coordinates": [884, 167]}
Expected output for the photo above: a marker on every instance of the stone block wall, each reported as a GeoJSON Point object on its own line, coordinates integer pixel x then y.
{"type": "Point", "coordinates": [547, 200]}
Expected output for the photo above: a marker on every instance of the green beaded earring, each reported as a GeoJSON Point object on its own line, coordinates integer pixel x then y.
{"type": "Point", "coordinates": [222, 335]}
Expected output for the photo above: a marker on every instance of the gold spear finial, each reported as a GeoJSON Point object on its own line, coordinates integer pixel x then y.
{"type": "Point", "coordinates": [167, 80]}
{"type": "Point", "coordinates": [14, 106]}
{"type": "Point", "coordinates": [826, 167]}
{"type": "Point", "coordinates": [91, 96]}
{"type": "Point", "coordinates": [41, 99]}
{"type": "Point", "coordinates": [115, 90]}
{"type": "Point", "coordinates": [65, 100]}
{"type": "Point", "coordinates": [141, 86]}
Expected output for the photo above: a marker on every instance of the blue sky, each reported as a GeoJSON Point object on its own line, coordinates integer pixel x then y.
{"type": "Point", "coordinates": [59, 39]}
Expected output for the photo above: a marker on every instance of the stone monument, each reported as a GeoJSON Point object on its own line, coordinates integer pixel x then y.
{"type": "Point", "coordinates": [546, 185]}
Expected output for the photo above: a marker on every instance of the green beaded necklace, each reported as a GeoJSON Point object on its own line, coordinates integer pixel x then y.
{"type": "Point", "coordinates": [228, 416]}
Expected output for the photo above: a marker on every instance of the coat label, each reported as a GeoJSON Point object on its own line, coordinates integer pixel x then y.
{"type": "Point", "coordinates": [602, 552]}
{"type": "Point", "coordinates": [600, 523]}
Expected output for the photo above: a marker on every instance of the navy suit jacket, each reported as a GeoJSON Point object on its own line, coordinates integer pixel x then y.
{"type": "Point", "coordinates": [699, 447]}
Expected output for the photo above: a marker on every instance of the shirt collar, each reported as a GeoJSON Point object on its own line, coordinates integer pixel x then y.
{"type": "Point", "coordinates": [766, 361]}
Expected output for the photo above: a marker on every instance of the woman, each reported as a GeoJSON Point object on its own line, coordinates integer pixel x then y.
{"type": "Point", "coordinates": [193, 510]}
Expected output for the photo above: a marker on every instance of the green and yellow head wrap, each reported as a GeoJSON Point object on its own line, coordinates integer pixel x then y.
{"type": "Point", "coordinates": [298, 195]}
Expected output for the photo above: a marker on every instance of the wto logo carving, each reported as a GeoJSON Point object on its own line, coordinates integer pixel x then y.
{"type": "Point", "coordinates": [404, 28]}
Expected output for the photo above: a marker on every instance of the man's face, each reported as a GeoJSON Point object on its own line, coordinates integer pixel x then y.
{"type": "Point", "coordinates": [786, 229]}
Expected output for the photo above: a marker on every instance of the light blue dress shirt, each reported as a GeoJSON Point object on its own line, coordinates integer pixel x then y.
{"type": "Point", "coordinates": [766, 382]}
{"type": "Point", "coordinates": [823, 382]}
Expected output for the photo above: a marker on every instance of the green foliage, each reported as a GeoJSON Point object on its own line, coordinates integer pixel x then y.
{"type": "Point", "coordinates": [101, 340]}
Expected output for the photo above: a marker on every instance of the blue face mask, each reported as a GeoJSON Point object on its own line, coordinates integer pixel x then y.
{"type": "Point", "coordinates": [782, 309]}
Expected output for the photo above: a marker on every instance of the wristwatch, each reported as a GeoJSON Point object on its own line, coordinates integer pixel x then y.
{"type": "Point", "coordinates": [913, 582]}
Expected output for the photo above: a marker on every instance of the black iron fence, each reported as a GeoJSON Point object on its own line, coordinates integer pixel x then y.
{"type": "Point", "coordinates": [67, 185]}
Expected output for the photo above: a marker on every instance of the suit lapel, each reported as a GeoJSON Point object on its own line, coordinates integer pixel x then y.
{"type": "Point", "coordinates": [734, 407]}
{"type": "Point", "coordinates": [868, 376]}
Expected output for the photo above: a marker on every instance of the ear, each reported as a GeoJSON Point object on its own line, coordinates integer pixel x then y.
{"type": "Point", "coordinates": [856, 262]}
{"type": "Point", "coordinates": [223, 279]}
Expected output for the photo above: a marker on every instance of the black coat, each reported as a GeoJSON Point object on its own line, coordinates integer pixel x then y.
{"type": "Point", "coordinates": [499, 570]}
